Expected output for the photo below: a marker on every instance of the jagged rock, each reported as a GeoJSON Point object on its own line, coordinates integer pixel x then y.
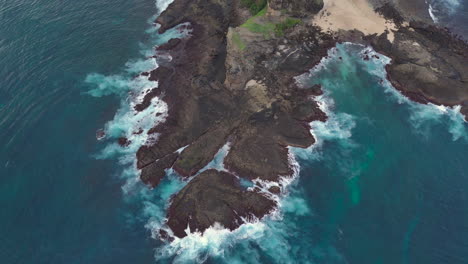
{"type": "Point", "coordinates": [235, 84]}
{"type": "Point", "coordinates": [198, 154]}
{"type": "Point", "coordinates": [428, 64]}
{"type": "Point", "coordinates": [215, 197]}
{"type": "Point", "coordinates": [299, 8]}
{"type": "Point", "coordinates": [153, 173]}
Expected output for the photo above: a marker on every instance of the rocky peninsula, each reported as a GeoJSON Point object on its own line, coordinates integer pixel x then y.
{"type": "Point", "coordinates": [232, 81]}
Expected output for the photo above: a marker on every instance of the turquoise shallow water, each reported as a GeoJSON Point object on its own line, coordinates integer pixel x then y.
{"type": "Point", "coordinates": [386, 182]}
{"type": "Point", "coordinates": [393, 190]}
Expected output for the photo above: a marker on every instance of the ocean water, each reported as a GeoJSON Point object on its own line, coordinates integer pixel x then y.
{"type": "Point", "coordinates": [450, 13]}
{"type": "Point", "coordinates": [385, 183]}
{"type": "Point", "coordinates": [58, 203]}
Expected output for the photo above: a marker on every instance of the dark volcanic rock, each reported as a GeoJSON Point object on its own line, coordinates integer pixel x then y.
{"type": "Point", "coordinates": [154, 172]}
{"type": "Point", "coordinates": [389, 11]}
{"type": "Point", "coordinates": [147, 99]}
{"type": "Point", "coordinates": [201, 151]}
{"type": "Point", "coordinates": [191, 83]}
{"type": "Point", "coordinates": [172, 43]}
{"type": "Point", "coordinates": [299, 8]}
{"type": "Point", "coordinates": [260, 150]}
{"type": "Point", "coordinates": [123, 141]}
{"type": "Point", "coordinates": [275, 189]}
{"type": "Point", "coordinates": [428, 64]}
{"type": "Point", "coordinates": [205, 108]}
{"type": "Point", "coordinates": [214, 196]}
{"type": "Point", "coordinates": [226, 83]}
{"type": "Point", "coordinates": [215, 93]}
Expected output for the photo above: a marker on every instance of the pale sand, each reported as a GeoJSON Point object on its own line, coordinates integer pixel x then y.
{"type": "Point", "coordinates": [352, 14]}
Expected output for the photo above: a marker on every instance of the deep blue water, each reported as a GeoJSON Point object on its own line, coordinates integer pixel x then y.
{"type": "Point", "coordinates": [58, 204]}
{"type": "Point", "coordinates": [386, 182]}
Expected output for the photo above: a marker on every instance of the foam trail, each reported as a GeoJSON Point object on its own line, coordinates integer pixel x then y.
{"type": "Point", "coordinates": [216, 241]}
{"type": "Point", "coordinates": [337, 128]}
{"type": "Point", "coordinates": [422, 116]}
{"type": "Point", "coordinates": [339, 125]}
{"type": "Point", "coordinates": [439, 9]}
{"type": "Point", "coordinates": [271, 235]}
{"type": "Point", "coordinates": [134, 125]}
{"type": "Point", "coordinates": [431, 13]}
{"type": "Point", "coordinates": [218, 160]}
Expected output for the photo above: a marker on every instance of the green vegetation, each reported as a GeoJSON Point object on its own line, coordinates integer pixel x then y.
{"type": "Point", "coordinates": [286, 24]}
{"type": "Point", "coordinates": [255, 6]}
{"type": "Point", "coordinates": [238, 41]}
{"type": "Point", "coordinates": [267, 29]}
{"type": "Point", "coordinates": [262, 12]}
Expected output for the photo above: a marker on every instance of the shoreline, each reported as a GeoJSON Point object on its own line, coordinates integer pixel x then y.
{"type": "Point", "coordinates": [262, 113]}
{"type": "Point", "coordinates": [353, 15]}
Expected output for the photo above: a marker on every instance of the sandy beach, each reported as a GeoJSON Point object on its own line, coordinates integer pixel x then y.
{"type": "Point", "coordinates": [352, 14]}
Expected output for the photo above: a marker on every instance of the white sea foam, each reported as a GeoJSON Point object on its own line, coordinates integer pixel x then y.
{"type": "Point", "coordinates": [156, 202]}
{"type": "Point", "coordinates": [431, 13]}
{"type": "Point", "coordinates": [338, 126]}
{"type": "Point", "coordinates": [422, 116]}
{"type": "Point", "coordinates": [215, 241]}
{"type": "Point", "coordinates": [269, 235]}
{"type": "Point", "coordinates": [134, 125]}
{"type": "Point", "coordinates": [218, 160]}
{"type": "Point", "coordinates": [218, 241]}
{"type": "Point", "coordinates": [439, 9]}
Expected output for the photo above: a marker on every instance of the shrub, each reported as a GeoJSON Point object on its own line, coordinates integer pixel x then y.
{"type": "Point", "coordinates": [254, 6]}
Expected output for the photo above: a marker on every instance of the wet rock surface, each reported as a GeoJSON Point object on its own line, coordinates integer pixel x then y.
{"type": "Point", "coordinates": [216, 94]}
{"type": "Point", "coordinates": [229, 82]}
{"type": "Point", "coordinates": [215, 197]}
{"type": "Point", "coordinates": [428, 63]}
{"type": "Point", "coordinates": [298, 8]}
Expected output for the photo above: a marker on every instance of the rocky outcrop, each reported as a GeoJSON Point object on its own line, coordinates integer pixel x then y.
{"type": "Point", "coordinates": [298, 8]}
{"type": "Point", "coordinates": [215, 197]}
{"type": "Point", "coordinates": [219, 92]}
{"type": "Point", "coordinates": [428, 64]}
{"type": "Point", "coordinates": [233, 82]}
{"type": "Point", "coordinates": [414, 10]}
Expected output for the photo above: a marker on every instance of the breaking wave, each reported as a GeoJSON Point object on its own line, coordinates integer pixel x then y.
{"type": "Point", "coordinates": [216, 242]}
{"type": "Point", "coordinates": [270, 240]}
{"type": "Point", "coordinates": [422, 116]}
{"type": "Point", "coordinates": [439, 9]}
{"type": "Point", "coordinates": [339, 125]}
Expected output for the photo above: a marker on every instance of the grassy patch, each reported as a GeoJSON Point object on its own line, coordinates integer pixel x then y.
{"type": "Point", "coordinates": [259, 14]}
{"type": "Point", "coordinates": [265, 28]}
{"type": "Point", "coordinates": [286, 24]}
{"type": "Point", "coordinates": [238, 41]}
{"type": "Point", "coordinates": [254, 6]}
{"type": "Point", "coordinates": [262, 12]}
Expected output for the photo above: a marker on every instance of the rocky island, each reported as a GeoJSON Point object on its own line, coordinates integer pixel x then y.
{"type": "Point", "coordinates": [232, 81]}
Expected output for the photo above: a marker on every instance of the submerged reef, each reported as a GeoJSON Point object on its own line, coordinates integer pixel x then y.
{"type": "Point", "coordinates": [232, 80]}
